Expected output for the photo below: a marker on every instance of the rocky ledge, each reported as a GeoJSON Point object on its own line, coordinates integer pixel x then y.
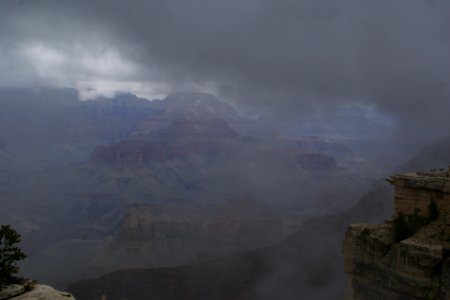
{"type": "Point", "coordinates": [407, 257]}
{"type": "Point", "coordinates": [33, 292]}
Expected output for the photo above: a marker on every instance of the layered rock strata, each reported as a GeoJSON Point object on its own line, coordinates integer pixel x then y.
{"type": "Point", "coordinates": [382, 266]}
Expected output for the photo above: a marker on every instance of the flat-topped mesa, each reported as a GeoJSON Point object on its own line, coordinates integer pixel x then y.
{"type": "Point", "coordinates": [415, 191]}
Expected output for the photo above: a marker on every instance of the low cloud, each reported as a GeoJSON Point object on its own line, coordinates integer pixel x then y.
{"type": "Point", "coordinates": [293, 57]}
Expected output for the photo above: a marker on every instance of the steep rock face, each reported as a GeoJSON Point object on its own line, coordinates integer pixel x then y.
{"type": "Point", "coordinates": [416, 190]}
{"type": "Point", "coordinates": [380, 268]}
{"type": "Point", "coordinates": [384, 262]}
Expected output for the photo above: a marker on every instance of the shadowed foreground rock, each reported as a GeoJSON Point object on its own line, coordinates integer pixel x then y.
{"type": "Point", "coordinates": [44, 292]}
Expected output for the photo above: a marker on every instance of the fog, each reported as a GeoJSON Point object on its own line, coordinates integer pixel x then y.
{"type": "Point", "coordinates": [216, 132]}
{"type": "Point", "coordinates": [295, 56]}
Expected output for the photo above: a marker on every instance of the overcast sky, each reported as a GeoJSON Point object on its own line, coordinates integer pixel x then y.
{"type": "Point", "coordinates": [296, 55]}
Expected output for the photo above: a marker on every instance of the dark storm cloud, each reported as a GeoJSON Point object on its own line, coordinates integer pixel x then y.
{"type": "Point", "coordinates": [294, 54]}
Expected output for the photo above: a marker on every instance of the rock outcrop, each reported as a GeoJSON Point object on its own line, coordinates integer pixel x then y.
{"type": "Point", "coordinates": [33, 292]}
{"type": "Point", "coordinates": [407, 257]}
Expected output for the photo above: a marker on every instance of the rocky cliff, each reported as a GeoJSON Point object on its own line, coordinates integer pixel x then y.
{"type": "Point", "coordinates": [407, 257]}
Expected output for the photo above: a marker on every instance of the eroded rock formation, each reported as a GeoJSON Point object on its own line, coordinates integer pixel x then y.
{"type": "Point", "coordinates": [407, 257]}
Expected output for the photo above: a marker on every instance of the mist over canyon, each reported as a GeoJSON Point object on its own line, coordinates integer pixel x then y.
{"type": "Point", "coordinates": [186, 186]}
{"type": "Point", "coordinates": [209, 149]}
{"type": "Point", "coordinates": [126, 182]}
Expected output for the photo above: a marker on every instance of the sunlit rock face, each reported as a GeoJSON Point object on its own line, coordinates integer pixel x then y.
{"type": "Point", "coordinates": [380, 265]}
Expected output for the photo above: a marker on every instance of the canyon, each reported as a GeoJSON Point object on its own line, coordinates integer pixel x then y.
{"type": "Point", "coordinates": [135, 183]}
{"type": "Point", "coordinates": [308, 263]}
{"type": "Point", "coordinates": [182, 190]}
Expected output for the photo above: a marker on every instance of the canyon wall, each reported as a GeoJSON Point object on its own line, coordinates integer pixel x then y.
{"type": "Point", "coordinates": [407, 257]}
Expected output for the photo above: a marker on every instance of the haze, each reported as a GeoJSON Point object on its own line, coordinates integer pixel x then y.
{"type": "Point", "coordinates": [298, 55]}
{"type": "Point", "coordinates": [231, 137]}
